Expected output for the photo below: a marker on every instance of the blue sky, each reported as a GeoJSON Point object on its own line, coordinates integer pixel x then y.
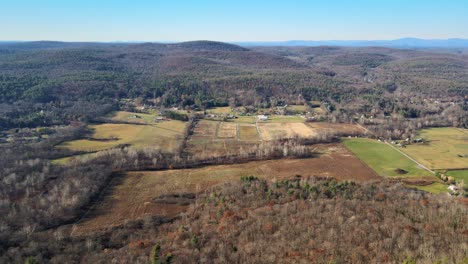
{"type": "Point", "coordinates": [235, 20]}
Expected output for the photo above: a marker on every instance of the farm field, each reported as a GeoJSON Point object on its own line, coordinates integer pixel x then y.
{"type": "Point", "coordinates": [227, 130]}
{"type": "Point", "coordinates": [384, 159]}
{"type": "Point", "coordinates": [284, 119]}
{"type": "Point", "coordinates": [243, 120]}
{"type": "Point", "coordinates": [220, 138]}
{"type": "Point", "coordinates": [248, 132]}
{"type": "Point", "coordinates": [332, 128]}
{"type": "Point", "coordinates": [388, 162]}
{"type": "Point", "coordinates": [131, 117]}
{"type": "Point", "coordinates": [205, 130]}
{"type": "Point", "coordinates": [435, 187]}
{"type": "Point", "coordinates": [166, 135]}
{"type": "Point", "coordinates": [135, 195]}
{"type": "Point", "coordinates": [447, 148]}
{"type": "Point", "coordinates": [459, 175]}
{"type": "Point", "coordinates": [220, 110]}
{"type": "Point", "coordinates": [272, 131]}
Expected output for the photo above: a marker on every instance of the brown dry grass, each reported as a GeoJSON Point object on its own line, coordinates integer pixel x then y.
{"type": "Point", "coordinates": [272, 131]}
{"type": "Point", "coordinates": [227, 130]}
{"type": "Point", "coordinates": [248, 133]}
{"type": "Point", "coordinates": [205, 130]}
{"type": "Point", "coordinates": [321, 127]}
{"type": "Point", "coordinates": [132, 196]}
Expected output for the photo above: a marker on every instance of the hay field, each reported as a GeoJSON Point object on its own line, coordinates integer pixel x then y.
{"type": "Point", "coordinates": [140, 118]}
{"type": "Point", "coordinates": [216, 138]}
{"type": "Point", "coordinates": [459, 175]}
{"type": "Point", "coordinates": [447, 148]}
{"type": "Point", "coordinates": [243, 120]}
{"type": "Point", "coordinates": [284, 119]}
{"type": "Point", "coordinates": [383, 159]}
{"type": "Point", "coordinates": [388, 162]}
{"type": "Point", "coordinates": [336, 128]}
{"type": "Point", "coordinates": [165, 135]}
{"type": "Point", "coordinates": [227, 130]}
{"type": "Point", "coordinates": [272, 131]}
{"type": "Point", "coordinates": [248, 132]}
{"type": "Point", "coordinates": [205, 130]}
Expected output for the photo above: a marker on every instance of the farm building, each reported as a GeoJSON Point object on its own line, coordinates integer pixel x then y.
{"type": "Point", "coordinates": [262, 117]}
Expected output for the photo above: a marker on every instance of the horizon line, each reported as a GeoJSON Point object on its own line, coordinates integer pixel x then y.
{"type": "Point", "coordinates": [232, 41]}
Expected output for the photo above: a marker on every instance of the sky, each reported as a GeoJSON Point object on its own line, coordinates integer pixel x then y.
{"type": "Point", "coordinates": [233, 21]}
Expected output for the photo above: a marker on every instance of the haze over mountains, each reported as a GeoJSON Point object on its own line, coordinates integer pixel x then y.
{"type": "Point", "coordinates": [395, 43]}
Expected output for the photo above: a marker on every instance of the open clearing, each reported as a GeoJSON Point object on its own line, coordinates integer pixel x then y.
{"type": "Point", "coordinates": [296, 108]}
{"type": "Point", "coordinates": [217, 138]}
{"type": "Point", "coordinates": [459, 175]}
{"type": "Point", "coordinates": [272, 131]}
{"type": "Point", "coordinates": [242, 120]}
{"type": "Point", "coordinates": [205, 130]}
{"type": "Point", "coordinates": [435, 187]}
{"type": "Point", "coordinates": [227, 130]}
{"type": "Point", "coordinates": [138, 194]}
{"type": "Point", "coordinates": [248, 132]}
{"type": "Point", "coordinates": [166, 135]}
{"type": "Point", "coordinates": [131, 117]}
{"type": "Point", "coordinates": [447, 148]}
{"type": "Point", "coordinates": [383, 159]}
{"type": "Point", "coordinates": [221, 138]}
{"type": "Point", "coordinates": [333, 128]}
{"type": "Point", "coordinates": [219, 110]}
{"type": "Point", "coordinates": [388, 162]}
{"type": "Point", "coordinates": [284, 119]}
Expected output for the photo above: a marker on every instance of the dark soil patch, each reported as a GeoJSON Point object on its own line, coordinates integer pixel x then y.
{"type": "Point", "coordinates": [401, 171]}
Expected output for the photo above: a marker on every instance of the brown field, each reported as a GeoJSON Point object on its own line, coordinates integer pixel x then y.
{"type": "Point", "coordinates": [332, 128]}
{"type": "Point", "coordinates": [227, 130]}
{"type": "Point", "coordinates": [135, 194]}
{"type": "Point", "coordinates": [248, 133]}
{"type": "Point", "coordinates": [205, 130]}
{"type": "Point", "coordinates": [217, 138]}
{"type": "Point", "coordinates": [218, 147]}
{"type": "Point", "coordinates": [165, 135]}
{"type": "Point", "coordinates": [272, 131]}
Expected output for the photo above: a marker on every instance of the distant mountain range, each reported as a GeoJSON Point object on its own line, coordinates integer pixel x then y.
{"type": "Point", "coordinates": [397, 43]}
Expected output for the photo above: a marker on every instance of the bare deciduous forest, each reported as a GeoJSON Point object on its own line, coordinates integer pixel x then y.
{"type": "Point", "coordinates": [50, 92]}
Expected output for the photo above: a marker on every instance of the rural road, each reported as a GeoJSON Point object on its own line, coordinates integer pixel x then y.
{"type": "Point", "coordinates": [419, 164]}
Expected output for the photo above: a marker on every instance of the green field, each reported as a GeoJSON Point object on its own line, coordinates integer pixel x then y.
{"type": "Point", "coordinates": [131, 117]}
{"type": "Point", "coordinates": [459, 175]}
{"type": "Point", "coordinates": [243, 120]}
{"type": "Point", "coordinates": [436, 187]}
{"type": "Point", "coordinates": [447, 148]}
{"type": "Point", "coordinates": [284, 119]}
{"type": "Point", "coordinates": [166, 135]}
{"type": "Point", "coordinates": [383, 159]}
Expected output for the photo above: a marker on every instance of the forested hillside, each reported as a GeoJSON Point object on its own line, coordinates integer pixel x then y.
{"type": "Point", "coordinates": [47, 83]}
